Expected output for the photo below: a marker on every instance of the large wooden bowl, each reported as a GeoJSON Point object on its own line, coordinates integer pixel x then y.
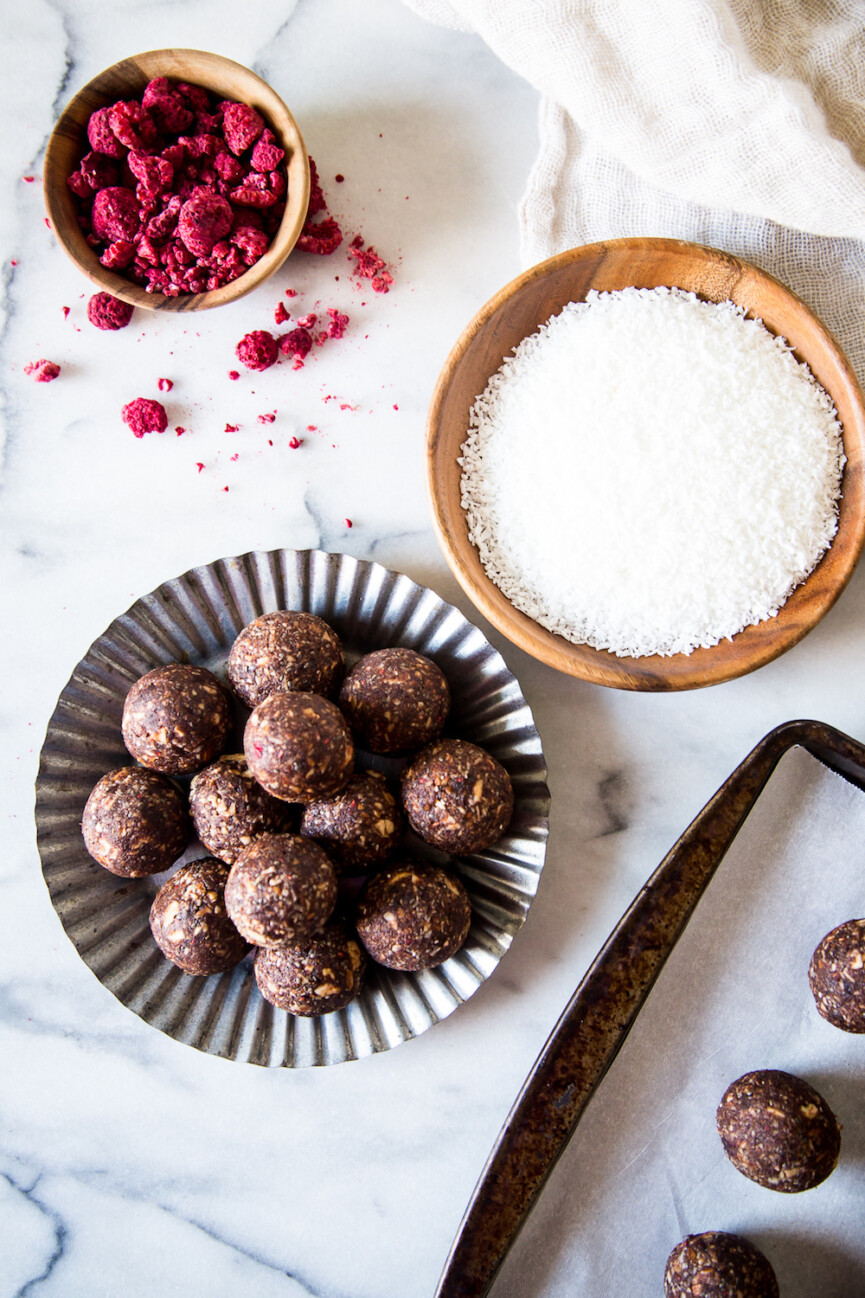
{"type": "Point", "coordinates": [519, 310]}
{"type": "Point", "coordinates": [126, 80]}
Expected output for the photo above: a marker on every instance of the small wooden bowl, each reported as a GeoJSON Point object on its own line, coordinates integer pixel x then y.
{"type": "Point", "coordinates": [126, 80]}
{"type": "Point", "coordinates": [519, 310]}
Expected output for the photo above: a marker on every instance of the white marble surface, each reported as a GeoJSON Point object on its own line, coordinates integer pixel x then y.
{"type": "Point", "coordinates": [129, 1163]}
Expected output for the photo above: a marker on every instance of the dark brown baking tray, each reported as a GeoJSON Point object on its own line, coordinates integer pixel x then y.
{"type": "Point", "coordinates": [602, 1010]}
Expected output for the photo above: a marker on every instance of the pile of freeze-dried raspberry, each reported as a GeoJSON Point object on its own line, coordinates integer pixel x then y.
{"type": "Point", "coordinates": [179, 192]}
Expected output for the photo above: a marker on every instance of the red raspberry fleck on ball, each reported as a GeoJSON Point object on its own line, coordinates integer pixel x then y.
{"type": "Point", "coordinates": [107, 312]}
{"type": "Point", "coordinates": [241, 125]}
{"type": "Point", "coordinates": [115, 214]}
{"type": "Point", "coordinates": [145, 416]}
{"type": "Point", "coordinates": [257, 350]}
{"type": "Point", "coordinates": [204, 220]}
{"type": "Point", "coordinates": [43, 371]}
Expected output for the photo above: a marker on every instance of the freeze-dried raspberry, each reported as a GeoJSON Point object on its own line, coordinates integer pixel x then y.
{"type": "Point", "coordinates": [98, 171]}
{"type": "Point", "coordinates": [118, 255]}
{"type": "Point", "coordinates": [208, 123]}
{"type": "Point", "coordinates": [296, 344]}
{"type": "Point", "coordinates": [165, 106]}
{"type": "Point", "coordinates": [368, 265]}
{"type": "Point", "coordinates": [241, 126]}
{"type": "Point", "coordinates": [254, 190]}
{"type": "Point", "coordinates": [145, 416]}
{"type": "Point", "coordinates": [132, 124]}
{"type": "Point", "coordinates": [115, 214]}
{"type": "Point", "coordinates": [204, 219]}
{"type": "Point", "coordinates": [195, 96]}
{"type": "Point", "coordinates": [102, 138]}
{"type": "Point", "coordinates": [257, 350]}
{"type": "Point", "coordinates": [154, 174]}
{"type": "Point", "coordinates": [323, 238]}
{"type": "Point", "coordinates": [107, 312]}
{"type": "Point", "coordinates": [164, 223]}
{"type": "Point", "coordinates": [43, 371]}
{"type": "Point", "coordinates": [251, 242]}
{"type": "Point", "coordinates": [79, 186]}
{"type": "Point", "coordinates": [267, 155]}
{"type": "Point", "coordinates": [280, 315]}
{"type": "Point", "coordinates": [228, 168]}
{"type": "Point", "coordinates": [338, 323]}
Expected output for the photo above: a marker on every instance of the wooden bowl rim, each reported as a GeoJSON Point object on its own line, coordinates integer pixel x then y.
{"type": "Point", "coordinates": [152, 63]}
{"type": "Point", "coordinates": [754, 646]}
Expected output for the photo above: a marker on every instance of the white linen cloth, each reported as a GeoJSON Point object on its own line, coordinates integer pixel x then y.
{"type": "Point", "coordinates": [736, 123]}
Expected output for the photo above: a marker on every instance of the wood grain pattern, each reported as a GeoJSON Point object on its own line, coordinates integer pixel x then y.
{"type": "Point", "coordinates": [126, 80]}
{"type": "Point", "coordinates": [519, 310]}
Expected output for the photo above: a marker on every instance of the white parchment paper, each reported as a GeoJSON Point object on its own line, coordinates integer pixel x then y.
{"type": "Point", "coordinates": [645, 1167]}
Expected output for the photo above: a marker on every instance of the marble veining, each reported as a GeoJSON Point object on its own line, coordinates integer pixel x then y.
{"type": "Point", "coordinates": [130, 1163]}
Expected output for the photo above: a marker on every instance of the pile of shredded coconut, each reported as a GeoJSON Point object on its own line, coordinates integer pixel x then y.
{"type": "Point", "coordinates": [650, 473]}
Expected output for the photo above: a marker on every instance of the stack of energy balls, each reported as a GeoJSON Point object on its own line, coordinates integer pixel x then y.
{"type": "Point", "coordinates": [309, 863]}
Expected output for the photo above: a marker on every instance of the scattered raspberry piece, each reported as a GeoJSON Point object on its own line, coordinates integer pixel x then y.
{"type": "Point", "coordinates": [296, 344]}
{"type": "Point", "coordinates": [180, 430]}
{"type": "Point", "coordinates": [267, 419]}
{"type": "Point", "coordinates": [204, 220]}
{"type": "Point", "coordinates": [338, 323]}
{"type": "Point", "coordinates": [107, 312]}
{"type": "Point", "coordinates": [164, 385]}
{"type": "Point", "coordinates": [241, 126]}
{"type": "Point", "coordinates": [307, 321]}
{"type": "Point", "coordinates": [369, 265]}
{"type": "Point", "coordinates": [28, 179]}
{"type": "Point", "coordinates": [199, 466]}
{"type": "Point", "coordinates": [145, 416]}
{"type": "Point", "coordinates": [312, 428]}
{"type": "Point", "coordinates": [65, 309]}
{"type": "Point", "coordinates": [235, 456]}
{"type": "Point", "coordinates": [231, 428]}
{"type": "Point", "coordinates": [322, 239]}
{"type": "Point", "coordinates": [102, 138]}
{"type": "Point", "coordinates": [295, 442]}
{"type": "Point", "coordinates": [233, 375]}
{"type": "Point", "coordinates": [115, 214]}
{"type": "Point", "coordinates": [339, 177]}
{"type": "Point", "coordinates": [348, 522]}
{"type": "Point", "coordinates": [43, 371]}
{"type": "Point", "coordinates": [280, 315]}
{"type": "Point", "coordinates": [291, 292]}
{"type": "Point", "coordinates": [257, 350]}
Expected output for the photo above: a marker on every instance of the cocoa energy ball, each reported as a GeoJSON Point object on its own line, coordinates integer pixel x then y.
{"type": "Point", "coordinates": [778, 1131]}
{"type": "Point", "coordinates": [135, 822]}
{"type": "Point", "coordinates": [321, 974]}
{"type": "Point", "coordinates": [229, 808]}
{"type": "Point", "coordinates": [281, 888]}
{"type": "Point", "coordinates": [837, 976]}
{"type": "Point", "coordinates": [718, 1265]}
{"type": "Point", "coordinates": [298, 747]}
{"type": "Point", "coordinates": [413, 915]}
{"type": "Point", "coordinates": [176, 718]}
{"type": "Point", "coordinates": [395, 700]}
{"type": "Point", "coordinates": [188, 919]}
{"type": "Point", "coordinates": [285, 651]}
{"type": "Point", "coordinates": [358, 827]}
{"type": "Point", "coordinates": [457, 797]}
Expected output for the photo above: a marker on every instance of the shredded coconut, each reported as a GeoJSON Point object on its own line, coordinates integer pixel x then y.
{"type": "Point", "coordinates": [650, 473]}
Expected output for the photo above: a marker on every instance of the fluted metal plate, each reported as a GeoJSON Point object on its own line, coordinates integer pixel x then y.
{"type": "Point", "coordinates": [195, 618]}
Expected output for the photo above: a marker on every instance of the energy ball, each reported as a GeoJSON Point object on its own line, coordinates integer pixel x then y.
{"type": "Point", "coordinates": [176, 718]}
{"type": "Point", "coordinates": [189, 921]}
{"type": "Point", "coordinates": [299, 747]}
{"type": "Point", "coordinates": [837, 976]}
{"type": "Point", "coordinates": [413, 915]}
{"type": "Point", "coordinates": [359, 827]}
{"type": "Point", "coordinates": [457, 797]}
{"type": "Point", "coordinates": [285, 651]}
{"type": "Point", "coordinates": [315, 977]}
{"type": "Point", "coordinates": [718, 1265]}
{"type": "Point", "coordinates": [395, 700]}
{"type": "Point", "coordinates": [229, 808]}
{"type": "Point", "coordinates": [135, 822]}
{"type": "Point", "coordinates": [778, 1131]}
{"type": "Point", "coordinates": [281, 888]}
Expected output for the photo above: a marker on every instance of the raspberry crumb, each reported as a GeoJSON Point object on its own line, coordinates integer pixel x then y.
{"type": "Point", "coordinates": [267, 419]}
{"type": "Point", "coordinates": [107, 312]}
{"type": "Point", "coordinates": [225, 488]}
{"type": "Point", "coordinates": [348, 522]}
{"type": "Point", "coordinates": [280, 315]}
{"type": "Point", "coordinates": [199, 466]}
{"type": "Point", "coordinates": [64, 309]}
{"type": "Point", "coordinates": [396, 407]}
{"type": "Point", "coordinates": [232, 428]}
{"type": "Point", "coordinates": [233, 375]}
{"type": "Point", "coordinates": [165, 385]}
{"type": "Point", "coordinates": [257, 350]}
{"type": "Point", "coordinates": [235, 456]}
{"type": "Point", "coordinates": [339, 177]}
{"type": "Point", "coordinates": [369, 265]}
{"type": "Point", "coordinates": [180, 430]}
{"type": "Point", "coordinates": [290, 292]}
{"type": "Point", "coordinates": [312, 428]}
{"type": "Point", "coordinates": [307, 321]}
{"type": "Point", "coordinates": [28, 179]}
{"type": "Point", "coordinates": [43, 371]}
{"type": "Point", "coordinates": [145, 416]}
{"type": "Point", "coordinates": [294, 443]}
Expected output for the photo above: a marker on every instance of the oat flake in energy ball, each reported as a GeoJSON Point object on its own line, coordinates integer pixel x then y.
{"type": "Point", "coordinates": [650, 473]}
